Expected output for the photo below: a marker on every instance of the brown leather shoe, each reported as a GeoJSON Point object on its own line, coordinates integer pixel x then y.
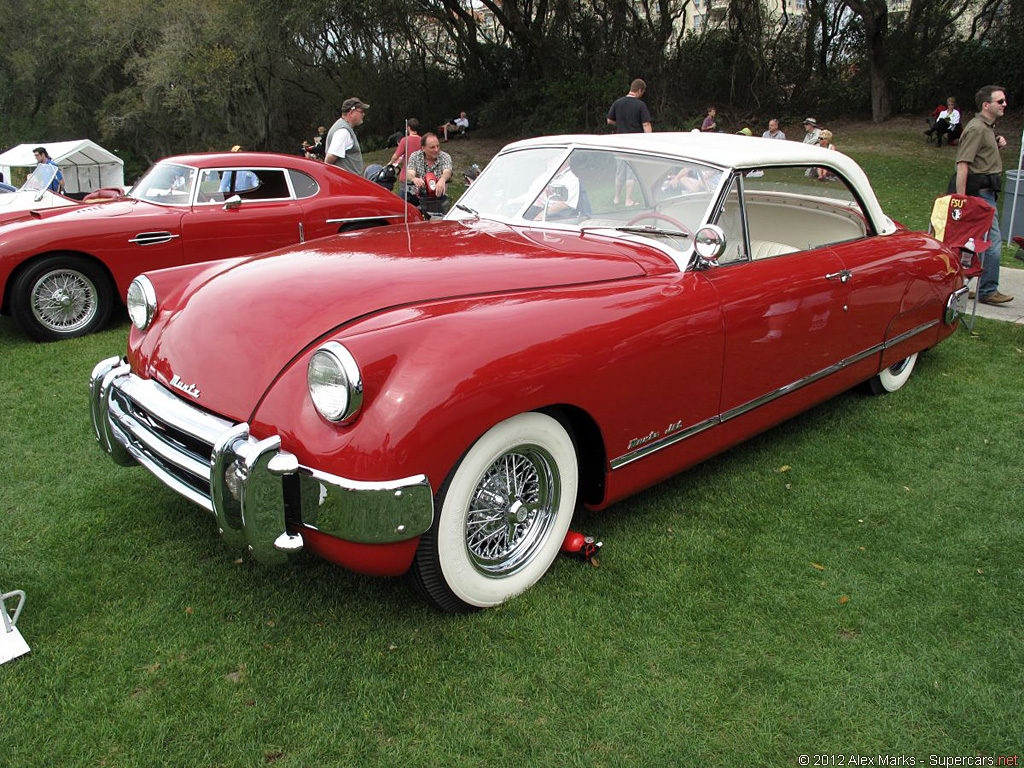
{"type": "Point", "coordinates": [995, 298]}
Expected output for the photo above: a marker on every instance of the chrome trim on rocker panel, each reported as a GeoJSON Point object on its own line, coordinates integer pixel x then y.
{"type": "Point", "coordinates": [739, 410]}
{"type": "Point", "coordinates": [219, 466]}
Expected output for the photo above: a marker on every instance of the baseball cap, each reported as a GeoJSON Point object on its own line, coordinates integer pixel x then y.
{"type": "Point", "coordinates": [349, 104]}
{"type": "Point", "coordinates": [810, 121]}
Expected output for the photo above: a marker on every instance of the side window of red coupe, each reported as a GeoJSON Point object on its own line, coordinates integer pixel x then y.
{"type": "Point", "coordinates": [216, 186]}
{"type": "Point", "coordinates": [303, 184]}
{"type": "Point", "coordinates": [799, 209]}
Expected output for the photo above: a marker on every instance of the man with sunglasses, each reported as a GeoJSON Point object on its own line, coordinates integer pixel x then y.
{"type": "Point", "coordinates": [342, 145]}
{"type": "Point", "coordinates": [979, 170]}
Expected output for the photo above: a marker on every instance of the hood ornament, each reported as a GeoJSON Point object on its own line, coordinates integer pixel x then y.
{"type": "Point", "coordinates": [189, 389]}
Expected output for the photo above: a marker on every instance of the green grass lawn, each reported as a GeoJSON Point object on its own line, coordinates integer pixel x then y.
{"type": "Point", "coordinates": [849, 582]}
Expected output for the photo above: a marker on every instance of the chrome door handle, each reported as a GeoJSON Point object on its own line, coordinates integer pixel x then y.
{"type": "Point", "coordinates": [842, 275]}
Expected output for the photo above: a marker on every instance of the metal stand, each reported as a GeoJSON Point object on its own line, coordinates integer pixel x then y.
{"type": "Point", "coordinates": [12, 644]}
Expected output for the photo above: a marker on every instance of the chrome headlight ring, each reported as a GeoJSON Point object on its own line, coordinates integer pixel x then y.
{"type": "Point", "coordinates": [335, 383]}
{"type": "Point", "coordinates": [141, 302]}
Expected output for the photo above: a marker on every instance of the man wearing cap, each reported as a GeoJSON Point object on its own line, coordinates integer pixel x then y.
{"type": "Point", "coordinates": [979, 171]}
{"type": "Point", "coordinates": [342, 145]}
{"type": "Point", "coordinates": [813, 132]}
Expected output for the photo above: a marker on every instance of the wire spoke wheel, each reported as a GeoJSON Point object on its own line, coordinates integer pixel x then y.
{"type": "Point", "coordinates": [64, 300]}
{"type": "Point", "coordinates": [61, 296]}
{"type": "Point", "coordinates": [512, 510]}
{"type": "Point", "coordinates": [500, 516]}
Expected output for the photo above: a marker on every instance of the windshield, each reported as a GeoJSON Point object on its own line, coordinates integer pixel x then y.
{"type": "Point", "coordinates": [167, 184]}
{"type": "Point", "coordinates": [632, 193]}
{"type": "Point", "coordinates": [40, 178]}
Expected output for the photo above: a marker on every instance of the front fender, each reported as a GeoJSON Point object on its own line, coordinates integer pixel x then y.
{"type": "Point", "coordinates": [437, 377]}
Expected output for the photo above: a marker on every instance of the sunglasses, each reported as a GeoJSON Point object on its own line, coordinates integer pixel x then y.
{"type": "Point", "coordinates": [1001, 102]}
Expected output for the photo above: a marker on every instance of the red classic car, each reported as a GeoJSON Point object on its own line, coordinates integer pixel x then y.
{"type": "Point", "coordinates": [596, 314]}
{"type": "Point", "coordinates": [61, 271]}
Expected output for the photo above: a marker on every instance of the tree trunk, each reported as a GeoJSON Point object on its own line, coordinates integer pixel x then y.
{"type": "Point", "coordinates": [875, 14]}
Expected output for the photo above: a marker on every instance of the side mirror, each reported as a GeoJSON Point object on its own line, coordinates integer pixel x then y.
{"type": "Point", "coordinates": [709, 243]}
{"type": "Point", "coordinates": [232, 202]}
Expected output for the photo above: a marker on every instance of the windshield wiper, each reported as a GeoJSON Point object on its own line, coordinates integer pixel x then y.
{"type": "Point", "coordinates": [644, 230]}
{"type": "Point", "coordinates": [467, 209]}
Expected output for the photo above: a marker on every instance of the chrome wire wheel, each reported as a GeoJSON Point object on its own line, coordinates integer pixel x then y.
{"type": "Point", "coordinates": [512, 510]}
{"type": "Point", "coordinates": [64, 300]}
{"type": "Point", "coordinates": [500, 516]}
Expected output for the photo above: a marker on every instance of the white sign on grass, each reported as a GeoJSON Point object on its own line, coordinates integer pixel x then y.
{"type": "Point", "coordinates": [12, 644]}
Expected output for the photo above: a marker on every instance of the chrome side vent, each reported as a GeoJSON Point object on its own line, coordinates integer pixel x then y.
{"type": "Point", "coordinates": [152, 238]}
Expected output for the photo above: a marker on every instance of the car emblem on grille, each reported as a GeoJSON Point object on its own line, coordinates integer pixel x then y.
{"type": "Point", "coordinates": [189, 389]}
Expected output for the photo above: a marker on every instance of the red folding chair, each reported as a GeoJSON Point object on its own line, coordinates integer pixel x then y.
{"type": "Point", "coordinates": [962, 223]}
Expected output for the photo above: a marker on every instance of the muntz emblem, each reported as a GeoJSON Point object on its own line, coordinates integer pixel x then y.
{"type": "Point", "coordinates": [189, 389]}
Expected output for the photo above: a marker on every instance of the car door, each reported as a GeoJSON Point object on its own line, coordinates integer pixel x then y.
{"type": "Point", "coordinates": [782, 308]}
{"type": "Point", "coordinates": [265, 216]}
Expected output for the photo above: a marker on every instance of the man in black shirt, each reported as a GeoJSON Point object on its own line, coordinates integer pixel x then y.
{"type": "Point", "coordinates": [629, 115]}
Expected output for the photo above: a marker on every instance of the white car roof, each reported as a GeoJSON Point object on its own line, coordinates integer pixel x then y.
{"type": "Point", "coordinates": [728, 151]}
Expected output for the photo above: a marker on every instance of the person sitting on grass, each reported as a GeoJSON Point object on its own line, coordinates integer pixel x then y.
{"type": "Point", "coordinates": [825, 142]}
{"type": "Point", "coordinates": [458, 126]}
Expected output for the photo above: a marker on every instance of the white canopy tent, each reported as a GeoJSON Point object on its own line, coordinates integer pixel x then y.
{"type": "Point", "coordinates": [86, 165]}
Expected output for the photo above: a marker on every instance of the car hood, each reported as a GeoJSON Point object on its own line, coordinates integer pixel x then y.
{"type": "Point", "coordinates": [78, 211]}
{"type": "Point", "coordinates": [234, 329]}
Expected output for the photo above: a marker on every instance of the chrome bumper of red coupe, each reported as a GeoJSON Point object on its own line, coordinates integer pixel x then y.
{"type": "Point", "coordinates": [260, 495]}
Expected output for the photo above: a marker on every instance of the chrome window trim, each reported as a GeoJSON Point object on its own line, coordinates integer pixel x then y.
{"type": "Point", "coordinates": [192, 193]}
{"type": "Point", "coordinates": [732, 413]}
{"type": "Point", "coordinates": [288, 182]}
{"type": "Point", "coordinates": [291, 183]}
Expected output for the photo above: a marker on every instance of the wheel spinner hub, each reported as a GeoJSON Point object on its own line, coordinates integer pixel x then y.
{"type": "Point", "coordinates": [64, 300]}
{"type": "Point", "coordinates": [512, 510]}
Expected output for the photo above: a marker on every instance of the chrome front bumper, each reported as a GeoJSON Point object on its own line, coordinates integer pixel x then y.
{"type": "Point", "coordinates": [259, 494]}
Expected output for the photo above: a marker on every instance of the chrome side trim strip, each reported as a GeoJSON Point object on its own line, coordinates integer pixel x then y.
{"type": "Point", "coordinates": [904, 336]}
{"type": "Point", "coordinates": [665, 442]}
{"type": "Point", "coordinates": [366, 218]}
{"type": "Point", "coordinates": [739, 410]}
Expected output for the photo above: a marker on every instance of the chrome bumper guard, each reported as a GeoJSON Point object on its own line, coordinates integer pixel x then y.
{"type": "Point", "coordinates": [956, 305]}
{"type": "Point", "coordinates": [251, 486]}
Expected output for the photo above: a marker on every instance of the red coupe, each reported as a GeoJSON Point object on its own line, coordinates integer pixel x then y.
{"type": "Point", "coordinates": [63, 270]}
{"type": "Point", "coordinates": [596, 314]}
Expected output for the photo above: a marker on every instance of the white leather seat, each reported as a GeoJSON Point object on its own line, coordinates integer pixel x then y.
{"type": "Point", "coordinates": [763, 249]}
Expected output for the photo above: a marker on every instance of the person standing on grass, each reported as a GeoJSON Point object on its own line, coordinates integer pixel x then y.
{"type": "Point", "coordinates": [979, 170]}
{"type": "Point", "coordinates": [629, 114]}
{"type": "Point", "coordinates": [342, 144]}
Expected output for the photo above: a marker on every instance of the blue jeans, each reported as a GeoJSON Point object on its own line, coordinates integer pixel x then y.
{"type": "Point", "coordinates": [988, 283]}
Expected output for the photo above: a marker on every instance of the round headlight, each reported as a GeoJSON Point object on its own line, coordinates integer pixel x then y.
{"type": "Point", "coordinates": [335, 384]}
{"type": "Point", "coordinates": [141, 302]}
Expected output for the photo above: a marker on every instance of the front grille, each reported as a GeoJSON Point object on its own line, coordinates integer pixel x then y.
{"type": "Point", "coordinates": [172, 438]}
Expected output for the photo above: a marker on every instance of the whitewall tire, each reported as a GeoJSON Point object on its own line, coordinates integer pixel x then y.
{"type": "Point", "coordinates": [893, 377]}
{"type": "Point", "coordinates": [501, 515]}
